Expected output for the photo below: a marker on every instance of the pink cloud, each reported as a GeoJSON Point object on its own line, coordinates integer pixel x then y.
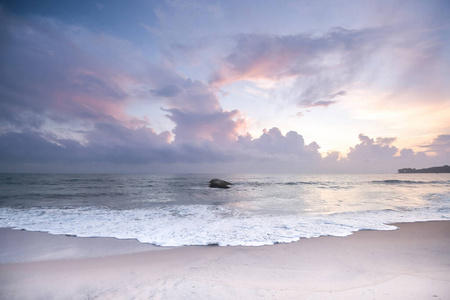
{"type": "Point", "coordinates": [322, 65]}
{"type": "Point", "coordinates": [70, 75]}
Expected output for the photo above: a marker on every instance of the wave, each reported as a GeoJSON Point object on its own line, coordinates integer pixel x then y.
{"type": "Point", "coordinates": [303, 183]}
{"type": "Point", "coordinates": [396, 181]}
{"type": "Point", "coordinates": [183, 225]}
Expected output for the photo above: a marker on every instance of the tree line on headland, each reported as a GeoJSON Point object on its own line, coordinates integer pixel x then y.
{"type": "Point", "coordinates": [443, 169]}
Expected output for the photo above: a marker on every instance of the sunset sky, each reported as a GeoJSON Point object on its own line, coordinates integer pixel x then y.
{"type": "Point", "coordinates": [224, 86]}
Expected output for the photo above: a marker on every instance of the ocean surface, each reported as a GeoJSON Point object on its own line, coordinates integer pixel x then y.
{"type": "Point", "coordinates": [175, 210]}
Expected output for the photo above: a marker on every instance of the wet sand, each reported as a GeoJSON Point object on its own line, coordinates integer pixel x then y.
{"type": "Point", "coordinates": [412, 262]}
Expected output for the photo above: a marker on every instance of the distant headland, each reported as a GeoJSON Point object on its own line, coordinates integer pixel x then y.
{"type": "Point", "coordinates": [443, 169]}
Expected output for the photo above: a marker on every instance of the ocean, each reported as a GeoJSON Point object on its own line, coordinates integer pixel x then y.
{"type": "Point", "coordinates": [177, 210]}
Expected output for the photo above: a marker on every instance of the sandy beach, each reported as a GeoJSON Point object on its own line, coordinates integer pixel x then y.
{"type": "Point", "coordinates": [412, 262]}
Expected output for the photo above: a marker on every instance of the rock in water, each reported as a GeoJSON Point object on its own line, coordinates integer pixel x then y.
{"type": "Point", "coordinates": [218, 183]}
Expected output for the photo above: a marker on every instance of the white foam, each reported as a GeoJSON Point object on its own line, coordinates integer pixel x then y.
{"type": "Point", "coordinates": [205, 224]}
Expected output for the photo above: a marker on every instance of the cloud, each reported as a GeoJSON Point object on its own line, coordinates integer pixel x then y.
{"type": "Point", "coordinates": [53, 73]}
{"type": "Point", "coordinates": [190, 96]}
{"type": "Point", "coordinates": [56, 75]}
{"type": "Point", "coordinates": [221, 127]}
{"type": "Point", "coordinates": [306, 104]}
{"type": "Point", "coordinates": [107, 142]}
{"type": "Point", "coordinates": [369, 150]}
{"type": "Point", "coordinates": [69, 75]}
{"type": "Point", "coordinates": [440, 145]}
{"type": "Point", "coordinates": [168, 91]}
{"type": "Point", "coordinates": [272, 147]}
{"type": "Point", "coordinates": [380, 155]}
{"type": "Point", "coordinates": [20, 150]}
{"type": "Point", "coordinates": [385, 141]}
{"type": "Point", "coordinates": [122, 148]}
{"type": "Point", "coordinates": [120, 144]}
{"type": "Point", "coordinates": [117, 144]}
{"type": "Point", "coordinates": [322, 66]}
{"type": "Point", "coordinates": [324, 103]}
{"type": "Point", "coordinates": [52, 70]}
{"type": "Point", "coordinates": [29, 146]}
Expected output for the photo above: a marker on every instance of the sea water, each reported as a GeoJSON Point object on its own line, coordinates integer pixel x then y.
{"type": "Point", "coordinates": [175, 210]}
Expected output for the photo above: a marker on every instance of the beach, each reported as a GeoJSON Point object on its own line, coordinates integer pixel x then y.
{"type": "Point", "coordinates": [412, 262]}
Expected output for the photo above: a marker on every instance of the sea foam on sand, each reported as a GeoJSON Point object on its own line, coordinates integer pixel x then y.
{"type": "Point", "coordinates": [410, 263]}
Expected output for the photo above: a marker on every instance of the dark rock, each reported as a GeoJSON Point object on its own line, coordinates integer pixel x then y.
{"type": "Point", "coordinates": [218, 183]}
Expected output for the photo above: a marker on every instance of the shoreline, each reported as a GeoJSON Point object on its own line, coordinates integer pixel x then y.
{"type": "Point", "coordinates": [412, 262]}
{"type": "Point", "coordinates": [133, 245]}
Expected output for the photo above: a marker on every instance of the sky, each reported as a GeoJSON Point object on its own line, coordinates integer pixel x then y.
{"type": "Point", "coordinates": [224, 86]}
